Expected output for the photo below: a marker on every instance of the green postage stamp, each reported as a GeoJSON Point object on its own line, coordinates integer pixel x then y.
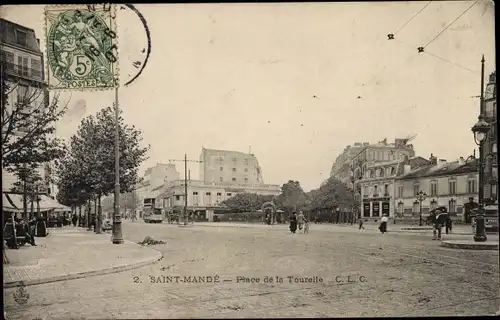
{"type": "Point", "coordinates": [81, 47]}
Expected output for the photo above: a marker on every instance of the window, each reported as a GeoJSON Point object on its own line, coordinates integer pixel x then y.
{"type": "Point", "coordinates": [471, 186]}
{"type": "Point", "coordinates": [22, 94]}
{"type": "Point", "coordinates": [246, 169]}
{"type": "Point", "coordinates": [416, 188]}
{"type": "Point", "coordinates": [246, 179]}
{"type": "Point", "coordinates": [234, 169]}
{"type": "Point", "coordinates": [400, 208]}
{"type": "Point", "coordinates": [434, 187]}
{"type": "Point", "coordinates": [393, 171]}
{"type": "Point", "coordinates": [21, 38]}
{"type": "Point", "coordinates": [177, 198]}
{"type": "Point", "coordinates": [433, 204]}
{"type": "Point", "coordinates": [221, 168]}
{"type": "Point", "coordinates": [221, 179]}
{"type": "Point", "coordinates": [234, 179]}
{"type": "Point", "coordinates": [195, 193]}
{"type": "Point", "coordinates": [365, 191]}
{"type": "Point", "coordinates": [219, 194]}
{"type": "Point", "coordinates": [381, 172]}
{"type": "Point", "coordinates": [22, 66]}
{"type": "Point", "coordinates": [246, 162]}
{"type": "Point", "coordinates": [234, 159]}
{"type": "Point", "coordinates": [375, 191]}
{"type": "Point", "coordinates": [36, 68]}
{"type": "Point", "coordinates": [229, 194]}
{"type": "Point", "coordinates": [386, 190]}
{"type": "Point", "coordinates": [372, 174]}
{"type": "Point", "coordinates": [452, 185]}
{"type": "Point", "coordinates": [416, 207]}
{"type": "Point", "coordinates": [208, 194]}
{"type": "Point", "coordinates": [400, 191]}
{"type": "Point", "coordinates": [452, 206]}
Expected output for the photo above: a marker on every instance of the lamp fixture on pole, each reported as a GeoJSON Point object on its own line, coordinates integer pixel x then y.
{"type": "Point", "coordinates": [480, 130]}
{"type": "Point", "coordinates": [421, 196]}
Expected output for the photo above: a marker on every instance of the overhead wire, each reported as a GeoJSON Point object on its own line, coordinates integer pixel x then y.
{"type": "Point", "coordinates": [414, 16]}
{"type": "Point", "coordinates": [449, 25]}
{"type": "Point", "coordinates": [451, 62]}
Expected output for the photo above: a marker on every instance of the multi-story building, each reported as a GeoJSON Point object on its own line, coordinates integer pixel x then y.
{"type": "Point", "coordinates": [205, 198]}
{"type": "Point", "coordinates": [446, 184]}
{"type": "Point", "coordinates": [341, 167]}
{"type": "Point", "coordinates": [155, 180]}
{"type": "Point", "coordinates": [378, 186]}
{"type": "Point", "coordinates": [490, 145]}
{"type": "Point", "coordinates": [23, 72]}
{"type": "Point", "coordinates": [233, 167]}
{"type": "Point", "coordinates": [375, 153]}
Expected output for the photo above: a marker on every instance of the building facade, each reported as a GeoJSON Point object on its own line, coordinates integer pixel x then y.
{"type": "Point", "coordinates": [155, 180]}
{"type": "Point", "coordinates": [206, 198]}
{"type": "Point", "coordinates": [378, 186]}
{"type": "Point", "coordinates": [233, 167]}
{"type": "Point", "coordinates": [23, 73]}
{"type": "Point", "coordinates": [341, 167]}
{"type": "Point", "coordinates": [376, 153]}
{"type": "Point", "coordinates": [490, 145]}
{"type": "Point", "coordinates": [446, 184]}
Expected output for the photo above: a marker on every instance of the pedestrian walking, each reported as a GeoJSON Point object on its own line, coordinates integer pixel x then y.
{"type": "Point", "coordinates": [300, 220]}
{"type": "Point", "coordinates": [360, 222]}
{"type": "Point", "coordinates": [448, 225]}
{"type": "Point", "coordinates": [293, 222]}
{"type": "Point", "coordinates": [74, 219]}
{"type": "Point", "coordinates": [383, 224]}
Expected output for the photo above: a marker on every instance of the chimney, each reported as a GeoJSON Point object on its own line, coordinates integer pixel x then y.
{"type": "Point", "coordinates": [433, 159]}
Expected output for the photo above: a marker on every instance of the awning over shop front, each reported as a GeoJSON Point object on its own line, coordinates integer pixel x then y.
{"type": "Point", "coordinates": [12, 202]}
{"type": "Point", "coordinates": [47, 203]}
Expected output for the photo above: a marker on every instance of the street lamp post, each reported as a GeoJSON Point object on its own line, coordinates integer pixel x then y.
{"type": "Point", "coordinates": [421, 196]}
{"type": "Point", "coordinates": [117, 221]}
{"type": "Point", "coordinates": [480, 130]}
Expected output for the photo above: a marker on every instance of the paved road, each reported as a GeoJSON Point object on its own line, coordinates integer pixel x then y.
{"type": "Point", "coordinates": [391, 275]}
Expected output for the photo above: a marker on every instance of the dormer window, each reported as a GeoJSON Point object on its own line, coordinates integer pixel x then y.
{"type": "Point", "coordinates": [21, 38]}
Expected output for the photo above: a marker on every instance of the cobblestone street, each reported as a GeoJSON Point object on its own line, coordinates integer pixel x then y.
{"type": "Point", "coordinates": [390, 275]}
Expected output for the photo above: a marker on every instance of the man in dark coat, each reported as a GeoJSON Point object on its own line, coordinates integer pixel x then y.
{"type": "Point", "coordinates": [293, 222]}
{"type": "Point", "coordinates": [439, 222]}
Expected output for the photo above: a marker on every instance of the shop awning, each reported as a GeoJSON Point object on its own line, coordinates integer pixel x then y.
{"type": "Point", "coordinates": [12, 202]}
{"type": "Point", "coordinates": [47, 203]}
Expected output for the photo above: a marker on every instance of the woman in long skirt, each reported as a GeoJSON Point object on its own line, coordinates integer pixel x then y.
{"type": "Point", "coordinates": [383, 224]}
{"type": "Point", "coordinates": [293, 222]}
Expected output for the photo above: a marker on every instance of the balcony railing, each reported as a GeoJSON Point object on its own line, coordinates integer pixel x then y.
{"type": "Point", "coordinates": [23, 71]}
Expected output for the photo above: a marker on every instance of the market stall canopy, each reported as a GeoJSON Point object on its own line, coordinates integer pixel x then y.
{"type": "Point", "coordinates": [12, 202]}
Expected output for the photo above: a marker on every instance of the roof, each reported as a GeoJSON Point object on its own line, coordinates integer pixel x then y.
{"type": "Point", "coordinates": [8, 36]}
{"type": "Point", "coordinates": [440, 169]}
{"type": "Point", "coordinates": [227, 151]}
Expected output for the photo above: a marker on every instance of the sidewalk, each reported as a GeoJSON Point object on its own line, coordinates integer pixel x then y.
{"type": "Point", "coordinates": [73, 253]}
{"type": "Point", "coordinates": [399, 228]}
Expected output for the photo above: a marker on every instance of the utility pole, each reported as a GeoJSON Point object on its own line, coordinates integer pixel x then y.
{"type": "Point", "coordinates": [186, 183]}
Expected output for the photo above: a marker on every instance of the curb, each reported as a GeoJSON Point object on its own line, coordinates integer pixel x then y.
{"type": "Point", "coordinates": [80, 275]}
{"type": "Point", "coordinates": [470, 246]}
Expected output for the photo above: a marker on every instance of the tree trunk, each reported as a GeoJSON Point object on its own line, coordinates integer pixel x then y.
{"type": "Point", "coordinates": [89, 225]}
{"type": "Point", "coordinates": [5, 258]}
{"type": "Point", "coordinates": [99, 212]}
{"type": "Point", "coordinates": [25, 198]}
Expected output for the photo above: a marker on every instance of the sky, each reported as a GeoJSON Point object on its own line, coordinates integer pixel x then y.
{"type": "Point", "coordinates": [297, 82]}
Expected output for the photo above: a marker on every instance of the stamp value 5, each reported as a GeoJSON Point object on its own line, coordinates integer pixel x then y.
{"type": "Point", "coordinates": [81, 47]}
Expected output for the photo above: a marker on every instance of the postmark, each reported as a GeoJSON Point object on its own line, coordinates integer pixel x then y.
{"type": "Point", "coordinates": [82, 47]}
